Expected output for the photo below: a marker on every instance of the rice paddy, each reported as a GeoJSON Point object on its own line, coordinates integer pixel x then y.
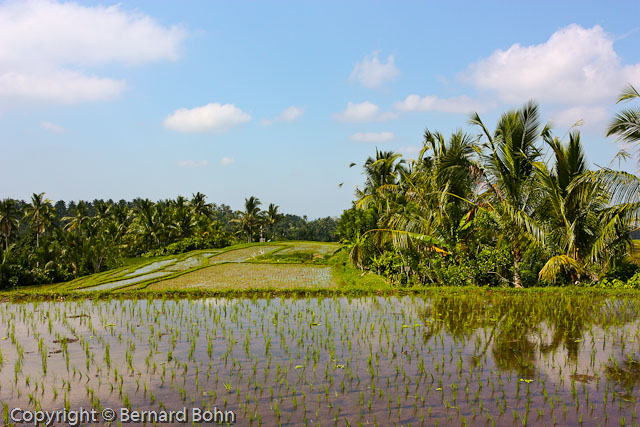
{"type": "Point", "coordinates": [252, 276]}
{"type": "Point", "coordinates": [436, 357]}
{"type": "Point", "coordinates": [447, 358]}
{"type": "Point", "coordinates": [311, 247]}
{"type": "Point", "coordinates": [233, 267]}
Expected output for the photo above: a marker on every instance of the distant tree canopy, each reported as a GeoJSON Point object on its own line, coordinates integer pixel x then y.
{"type": "Point", "coordinates": [45, 242]}
{"type": "Point", "coordinates": [511, 206]}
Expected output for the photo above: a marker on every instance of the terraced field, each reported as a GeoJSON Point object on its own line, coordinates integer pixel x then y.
{"type": "Point", "coordinates": [256, 266]}
{"type": "Point", "coordinates": [251, 276]}
{"type": "Point", "coordinates": [320, 248]}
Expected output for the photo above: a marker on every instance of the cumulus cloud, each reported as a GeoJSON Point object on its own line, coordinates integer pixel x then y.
{"type": "Point", "coordinates": [410, 150]}
{"type": "Point", "coordinates": [459, 104]}
{"type": "Point", "coordinates": [362, 113]}
{"type": "Point", "coordinates": [225, 161]}
{"type": "Point", "coordinates": [372, 136]}
{"type": "Point", "coordinates": [44, 44]}
{"type": "Point", "coordinates": [192, 163]}
{"type": "Point", "coordinates": [58, 86]}
{"type": "Point", "coordinates": [213, 116]}
{"type": "Point", "coordinates": [575, 66]}
{"type": "Point", "coordinates": [372, 73]}
{"type": "Point", "coordinates": [590, 116]}
{"type": "Point", "coordinates": [290, 114]}
{"type": "Point", "coordinates": [52, 127]}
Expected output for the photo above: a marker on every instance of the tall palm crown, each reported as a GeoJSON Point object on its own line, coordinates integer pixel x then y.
{"type": "Point", "coordinates": [148, 222]}
{"type": "Point", "coordinates": [510, 152]}
{"type": "Point", "coordinates": [573, 207]}
{"type": "Point", "coordinates": [39, 214]}
{"type": "Point", "coordinates": [382, 173]}
{"type": "Point", "coordinates": [626, 124]}
{"type": "Point", "coordinates": [9, 217]}
{"type": "Point", "coordinates": [273, 216]}
{"type": "Point", "coordinates": [435, 190]}
{"type": "Point", "coordinates": [79, 219]}
{"type": "Point", "coordinates": [199, 205]}
{"type": "Point", "coordinates": [507, 164]}
{"type": "Point", "coordinates": [251, 218]}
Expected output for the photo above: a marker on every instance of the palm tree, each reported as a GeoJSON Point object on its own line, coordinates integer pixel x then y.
{"type": "Point", "coordinates": [434, 208]}
{"type": "Point", "coordinates": [355, 247]}
{"type": "Point", "coordinates": [39, 214]}
{"type": "Point", "coordinates": [573, 209]}
{"type": "Point", "coordinates": [626, 124]}
{"type": "Point", "coordinates": [148, 223]}
{"type": "Point", "coordinates": [183, 222]}
{"type": "Point", "coordinates": [202, 212]}
{"type": "Point", "coordinates": [507, 166]}
{"type": "Point", "coordinates": [273, 216]}
{"type": "Point", "coordinates": [382, 172]}
{"type": "Point", "coordinates": [251, 218]}
{"type": "Point", "coordinates": [9, 216]}
{"type": "Point", "coordinates": [199, 205]}
{"type": "Point", "coordinates": [79, 219]}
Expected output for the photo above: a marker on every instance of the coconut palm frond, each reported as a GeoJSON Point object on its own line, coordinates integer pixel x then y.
{"type": "Point", "coordinates": [557, 265]}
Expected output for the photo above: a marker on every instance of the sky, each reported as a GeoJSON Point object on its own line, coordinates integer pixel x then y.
{"type": "Point", "coordinates": [275, 99]}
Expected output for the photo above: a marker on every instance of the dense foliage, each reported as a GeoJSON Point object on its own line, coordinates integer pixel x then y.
{"type": "Point", "coordinates": [513, 206]}
{"type": "Point", "coordinates": [43, 242]}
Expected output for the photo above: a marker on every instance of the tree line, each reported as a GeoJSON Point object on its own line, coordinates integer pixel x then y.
{"type": "Point", "coordinates": [46, 242]}
{"type": "Point", "coordinates": [512, 206]}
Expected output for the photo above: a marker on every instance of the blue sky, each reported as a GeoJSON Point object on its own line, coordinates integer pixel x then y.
{"type": "Point", "coordinates": [275, 99]}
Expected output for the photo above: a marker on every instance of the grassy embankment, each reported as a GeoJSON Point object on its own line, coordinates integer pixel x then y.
{"type": "Point", "coordinates": [257, 269]}
{"type": "Point", "coordinates": [278, 268]}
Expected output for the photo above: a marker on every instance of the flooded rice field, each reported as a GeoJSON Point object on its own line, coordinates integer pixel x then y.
{"type": "Point", "coordinates": [446, 359]}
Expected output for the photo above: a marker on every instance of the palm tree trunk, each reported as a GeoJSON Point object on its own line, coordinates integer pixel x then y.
{"type": "Point", "coordinates": [517, 281]}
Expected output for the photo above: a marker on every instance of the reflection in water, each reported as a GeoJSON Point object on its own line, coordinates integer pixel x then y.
{"type": "Point", "coordinates": [524, 331]}
{"type": "Point", "coordinates": [447, 358]}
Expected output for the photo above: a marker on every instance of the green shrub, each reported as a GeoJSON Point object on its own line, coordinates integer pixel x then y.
{"type": "Point", "coordinates": [632, 283]}
{"type": "Point", "coordinates": [623, 270]}
{"type": "Point", "coordinates": [219, 240]}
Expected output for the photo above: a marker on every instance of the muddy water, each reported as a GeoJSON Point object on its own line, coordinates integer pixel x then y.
{"type": "Point", "coordinates": [445, 359]}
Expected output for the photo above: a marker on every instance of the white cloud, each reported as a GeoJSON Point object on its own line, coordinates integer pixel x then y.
{"type": "Point", "coordinates": [212, 116]}
{"type": "Point", "coordinates": [362, 113]}
{"type": "Point", "coordinates": [590, 116]}
{"type": "Point", "coordinates": [410, 150]}
{"type": "Point", "coordinates": [44, 44]}
{"type": "Point", "coordinates": [59, 86]}
{"type": "Point", "coordinates": [225, 161]}
{"type": "Point", "coordinates": [192, 163]}
{"type": "Point", "coordinates": [575, 66]}
{"type": "Point", "coordinates": [52, 127]}
{"type": "Point", "coordinates": [290, 114]}
{"type": "Point", "coordinates": [372, 73]}
{"type": "Point", "coordinates": [459, 104]}
{"type": "Point", "coordinates": [372, 136]}
{"type": "Point", "coordinates": [287, 115]}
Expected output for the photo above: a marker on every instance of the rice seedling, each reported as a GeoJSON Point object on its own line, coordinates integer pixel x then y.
{"type": "Point", "coordinates": [446, 358]}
